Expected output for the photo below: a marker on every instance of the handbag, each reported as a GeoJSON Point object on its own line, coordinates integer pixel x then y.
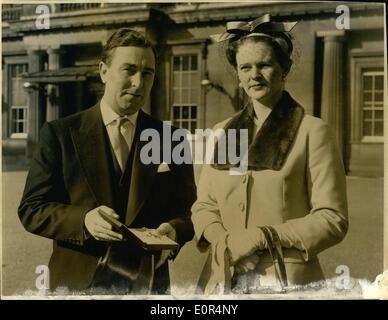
{"type": "Point", "coordinates": [275, 250]}
{"type": "Point", "coordinates": [216, 274]}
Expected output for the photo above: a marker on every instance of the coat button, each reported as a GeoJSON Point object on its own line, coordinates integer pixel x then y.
{"type": "Point", "coordinates": [241, 206]}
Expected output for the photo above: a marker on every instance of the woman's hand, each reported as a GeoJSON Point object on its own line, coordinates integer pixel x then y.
{"type": "Point", "coordinates": [247, 264]}
{"type": "Point", "coordinates": [244, 243]}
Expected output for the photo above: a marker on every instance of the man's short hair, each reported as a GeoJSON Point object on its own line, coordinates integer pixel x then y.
{"type": "Point", "coordinates": [125, 37]}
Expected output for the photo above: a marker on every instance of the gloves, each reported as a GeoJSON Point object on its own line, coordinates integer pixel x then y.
{"type": "Point", "coordinates": [169, 231]}
{"type": "Point", "coordinates": [244, 243]}
{"type": "Point", "coordinates": [247, 264]}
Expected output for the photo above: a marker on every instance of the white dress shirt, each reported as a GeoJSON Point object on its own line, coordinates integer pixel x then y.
{"type": "Point", "coordinates": [110, 118]}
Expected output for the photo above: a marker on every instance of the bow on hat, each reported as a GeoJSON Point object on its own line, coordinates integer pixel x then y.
{"type": "Point", "coordinates": [261, 26]}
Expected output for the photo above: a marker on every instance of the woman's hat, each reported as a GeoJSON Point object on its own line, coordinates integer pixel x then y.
{"type": "Point", "coordinates": [262, 26]}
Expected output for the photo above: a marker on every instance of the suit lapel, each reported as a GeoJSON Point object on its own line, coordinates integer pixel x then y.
{"type": "Point", "coordinates": [93, 152]}
{"type": "Point", "coordinates": [142, 175]}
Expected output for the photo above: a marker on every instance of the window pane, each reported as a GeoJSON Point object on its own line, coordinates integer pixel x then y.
{"type": "Point", "coordinates": [367, 114]}
{"type": "Point", "coordinates": [194, 63]}
{"type": "Point", "coordinates": [20, 127]}
{"type": "Point", "coordinates": [185, 96]}
{"type": "Point", "coordinates": [19, 96]}
{"type": "Point", "coordinates": [176, 80]}
{"type": "Point", "coordinates": [21, 113]}
{"type": "Point", "coordinates": [185, 125]}
{"type": "Point", "coordinates": [185, 63]}
{"type": "Point", "coordinates": [379, 96]}
{"type": "Point", "coordinates": [367, 82]}
{"type": "Point", "coordinates": [15, 91]}
{"type": "Point", "coordinates": [193, 112]}
{"type": "Point", "coordinates": [367, 96]}
{"type": "Point", "coordinates": [14, 127]}
{"type": "Point", "coordinates": [176, 63]}
{"type": "Point", "coordinates": [185, 112]}
{"type": "Point", "coordinates": [379, 128]}
{"type": "Point", "coordinates": [176, 98]}
{"type": "Point", "coordinates": [193, 126]}
{"type": "Point", "coordinates": [185, 80]}
{"type": "Point", "coordinates": [13, 71]}
{"type": "Point", "coordinates": [194, 97]}
{"type": "Point", "coordinates": [195, 79]}
{"type": "Point", "coordinates": [367, 128]}
{"type": "Point", "coordinates": [379, 114]}
{"type": "Point", "coordinates": [379, 82]}
{"type": "Point", "coordinates": [176, 114]}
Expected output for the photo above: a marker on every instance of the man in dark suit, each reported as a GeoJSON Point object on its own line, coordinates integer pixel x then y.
{"type": "Point", "coordinates": [90, 162]}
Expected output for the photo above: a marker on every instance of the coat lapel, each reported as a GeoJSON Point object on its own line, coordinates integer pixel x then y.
{"type": "Point", "coordinates": [92, 149]}
{"type": "Point", "coordinates": [272, 144]}
{"type": "Point", "coordinates": [243, 120]}
{"type": "Point", "coordinates": [142, 175]}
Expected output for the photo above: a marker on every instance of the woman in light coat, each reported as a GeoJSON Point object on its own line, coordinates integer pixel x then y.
{"type": "Point", "coordinates": [295, 180]}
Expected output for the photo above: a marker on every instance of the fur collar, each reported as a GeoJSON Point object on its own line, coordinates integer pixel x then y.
{"type": "Point", "coordinates": [272, 143]}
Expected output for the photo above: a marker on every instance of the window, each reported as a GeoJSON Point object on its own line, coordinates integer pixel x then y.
{"type": "Point", "coordinates": [11, 12]}
{"type": "Point", "coordinates": [185, 91]}
{"type": "Point", "coordinates": [79, 6]}
{"type": "Point", "coordinates": [18, 101]}
{"type": "Point", "coordinates": [373, 104]}
{"type": "Point", "coordinates": [367, 83]}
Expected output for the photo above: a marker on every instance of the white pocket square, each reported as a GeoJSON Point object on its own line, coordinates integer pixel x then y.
{"type": "Point", "coordinates": [163, 167]}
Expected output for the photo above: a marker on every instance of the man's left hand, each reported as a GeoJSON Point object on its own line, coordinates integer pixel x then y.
{"type": "Point", "coordinates": [165, 229]}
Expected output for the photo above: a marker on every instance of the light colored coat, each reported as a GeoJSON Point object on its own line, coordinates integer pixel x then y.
{"type": "Point", "coordinates": [304, 200]}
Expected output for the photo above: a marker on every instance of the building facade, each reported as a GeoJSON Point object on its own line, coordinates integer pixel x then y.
{"type": "Point", "coordinates": [338, 72]}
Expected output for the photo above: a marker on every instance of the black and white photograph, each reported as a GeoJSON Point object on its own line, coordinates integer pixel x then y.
{"type": "Point", "coordinates": [193, 150]}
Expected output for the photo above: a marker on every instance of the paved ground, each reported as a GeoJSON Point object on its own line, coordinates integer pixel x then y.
{"type": "Point", "coordinates": [361, 251]}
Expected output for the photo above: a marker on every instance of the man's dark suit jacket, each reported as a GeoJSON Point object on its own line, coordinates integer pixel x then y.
{"type": "Point", "coordinates": [71, 173]}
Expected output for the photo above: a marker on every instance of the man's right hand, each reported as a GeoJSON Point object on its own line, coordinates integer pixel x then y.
{"type": "Point", "coordinates": [99, 228]}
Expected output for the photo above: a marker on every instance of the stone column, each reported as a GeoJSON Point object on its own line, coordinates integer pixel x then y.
{"type": "Point", "coordinates": [54, 63]}
{"type": "Point", "coordinates": [36, 96]}
{"type": "Point", "coordinates": [332, 101]}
